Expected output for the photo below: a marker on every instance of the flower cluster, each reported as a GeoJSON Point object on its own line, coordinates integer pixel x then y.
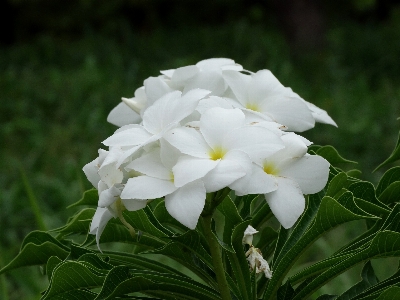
{"type": "Point", "coordinates": [202, 128]}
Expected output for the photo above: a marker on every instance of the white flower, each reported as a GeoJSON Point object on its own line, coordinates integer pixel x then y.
{"type": "Point", "coordinates": [256, 261]}
{"type": "Point", "coordinates": [263, 95]}
{"type": "Point", "coordinates": [248, 235]}
{"type": "Point", "coordinates": [296, 173]}
{"type": "Point", "coordinates": [184, 203]}
{"type": "Point", "coordinates": [164, 114]}
{"type": "Point", "coordinates": [221, 151]}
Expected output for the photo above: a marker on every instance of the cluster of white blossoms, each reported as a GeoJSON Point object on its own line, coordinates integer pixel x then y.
{"type": "Point", "coordinates": [199, 129]}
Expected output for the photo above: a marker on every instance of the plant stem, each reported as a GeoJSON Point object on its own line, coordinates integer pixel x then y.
{"type": "Point", "coordinates": [216, 255]}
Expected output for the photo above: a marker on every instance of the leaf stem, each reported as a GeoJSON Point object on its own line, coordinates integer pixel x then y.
{"type": "Point", "coordinates": [216, 255]}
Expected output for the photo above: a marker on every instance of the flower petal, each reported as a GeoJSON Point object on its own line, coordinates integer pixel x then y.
{"type": "Point", "coordinates": [190, 168]}
{"type": "Point", "coordinates": [145, 187]}
{"type": "Point", "coordinates": [229, 169]}
{"type": "Point", "coordinates": [99, 222]}
{"type": "Point", "coordinates": [90, 170]}
{"type": "Point", "coordinates": [109, 196]}
{"type": "Point", "coordinates": [254, 182]}
{"type": "Point", "coordinates": [184, 73]}
{"type": "Point", "coordinates": [130, 137]}
{"type": "Point", "coordinates": [320, 115]}
{"type": "Point", "coordinates": [238, 83]}
{"type": "Point", "coordinates": [155, 88]}
{"type": "Point", "coordinates": [217, 122]}
{"type": "Point", "coordinates": [122, 115]}
{"type": "Point", "coordinates": [188, 141]}
{"type": "Point", "coordinates": [211, 102]}
{"type": "Point", "coordinates": [134, 204]}
{"type": "Point", "coordinates": [187, 203]}
{"type": "Point", "coordinates": [289, 111]}
{"type": "Point", "coordinates": [287, 203]}
{"type": "Point", "coordinates": [310, 172]}
{"type": "Point", "coordinates": [150, 164]}
{"type": "Point", "coordinates": [256, 141]}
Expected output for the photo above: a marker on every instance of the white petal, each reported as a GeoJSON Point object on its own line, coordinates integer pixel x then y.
{"type": "Point", "coordinates": [209, 80]}
{"type": "Point", "coordinates": [168, 73]}
{"type": "Point", "coordinates": [320, 115]}
{"type": "Point", "coordinates": [145, 187]}
{"type": "Point", "coordinates": [158, 115]}
{"type": "Point", "coordinates": [256, 141]}
{"type": "Point", "coordinates": [217, 122]}
{"type": "Point", "coordinates": [190, 168]}
{"type": "Point", "coordinates": [239, 83]}
{"type": "Point", "coordinates": [122, 115]}
{"type": "Point", "coordinates": [289, 111]}
{"type": "Point", "coordinates": [187, 203]}
{"type": "Point", "coordinates": [287, 203]}
{"type": "Point", "coordinates": [212, 63]}
{"type": "Point", "coordinates": [184, 73]}
{"type": "Point", "coordinates": [150, 164]}
{"type": "Point", "coordinates": [134, 204]}
{"type": "Point", "coordinates": [99, 222]}
{"type": "Point", "coordinates": [91, 170]}
{"type": "Point", "coordinates": [227, 171]}
{"type": "Point", "coordinates": [310, 172]}
{"type": "Point", "coordinates": [109, 196]}
{"type": "Point", "coordinates": [188, 141]}
{"type": "Point", "coordinates": [255, 182]}
{"type": "Point", "coordinates": [110, 174]}
{"type": "Point", "coordinates": [130, 137]}
{"type": "Point", "coordinates": [264, 84]}
{"type": "Point", "coordinates": [211, 102]}
{"type": "Point", "coordinates": [155, 87]}
{"type": "Point", "coordinates": [169, 154]}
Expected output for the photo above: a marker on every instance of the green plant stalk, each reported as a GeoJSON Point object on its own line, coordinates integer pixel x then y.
{"type": "Point", "coordinates": [32, 201]}
{"type": "Point", "coordinates": [216, 255]}
{"type": "Point", "coordinates": [3, 283]}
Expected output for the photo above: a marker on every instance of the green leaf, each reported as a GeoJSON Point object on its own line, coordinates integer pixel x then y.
{"type": "Point", "coordinates": [40, 237]}
{"type": "Point", "coordinates": [71, 276]}
{"type": "Point", "coordinates": [337, 184]}
{"type": "Point", "coordinates": [232, 219]}
{"type": "Point", "coordinates": [238, 261]}
{"type": "Point", "coordinates": [384, 244]}
{"type": "Point", "coordinates": [52, 262]}
{"type": "Point", "coordinates": [365, 190]}
{"type": "Point", "coordinates": [327, 297]}
{"type": "Point", "coordinates": [83, 294]}
{"type": "Point", "coordinates": [377, 289]}
{"type": "Point", "coordinates": [388, 178]}
{"type": "Point", "coordinates": [390, 294]}
{"type": "Point", "coordinates": [285, 292]}
{"type": "Point", "coordinates": [78, 224]}
{"type": "Point", "coordinates": [330, 154]}
{"type": "Point", "coordinates": [391, 194]}
{"type": "Point", "coordinates": [95, 261]}
{"type": "Point", "coordinates": [288, 240]}
{"type": "Point", "coordinates": [90, 197]}
{"type": "Point", "coordinates": [160, 212]}
{"type": "Point", "coordinates": [393, 157]}
{"type": "Point", "coordinates": [139, 220]}
{"type": "Point", "coordinates": [354, 173]}
{"type": "Point", "coordinates": [33, 254]}
{"type": "Point", "coordinates": [368, 279]}
{"type": "Point", "coordinates": [330, 214]}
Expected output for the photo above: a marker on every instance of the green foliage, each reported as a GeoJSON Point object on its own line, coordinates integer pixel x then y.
{"type": "Point", "coordinates": [79, 271]}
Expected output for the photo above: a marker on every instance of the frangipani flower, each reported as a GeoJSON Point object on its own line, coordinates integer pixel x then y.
{"type": "Point", "coordinates": [221, 151]}
{"type": "Point", "coordinates": [296, 173]}
{"type": "Point", "coordinates": [263, 95]}
{"type": "Point", "coordinates": [184, 203]}
{"type": "Point", "coordinates": [163, 115]}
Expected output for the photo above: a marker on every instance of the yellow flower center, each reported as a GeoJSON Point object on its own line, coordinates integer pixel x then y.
{"type": "Point", "coordinates": [253, 106]}
{"type": "Point", "coordinates": [270, 168]}
{"type": "Point", "coordinates": [217, 153]}
{"type": "Point", "coordinates": [171, 177]}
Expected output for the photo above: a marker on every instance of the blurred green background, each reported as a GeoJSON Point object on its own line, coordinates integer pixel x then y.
{"type": "Point", "coordinates": [65, 65]}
